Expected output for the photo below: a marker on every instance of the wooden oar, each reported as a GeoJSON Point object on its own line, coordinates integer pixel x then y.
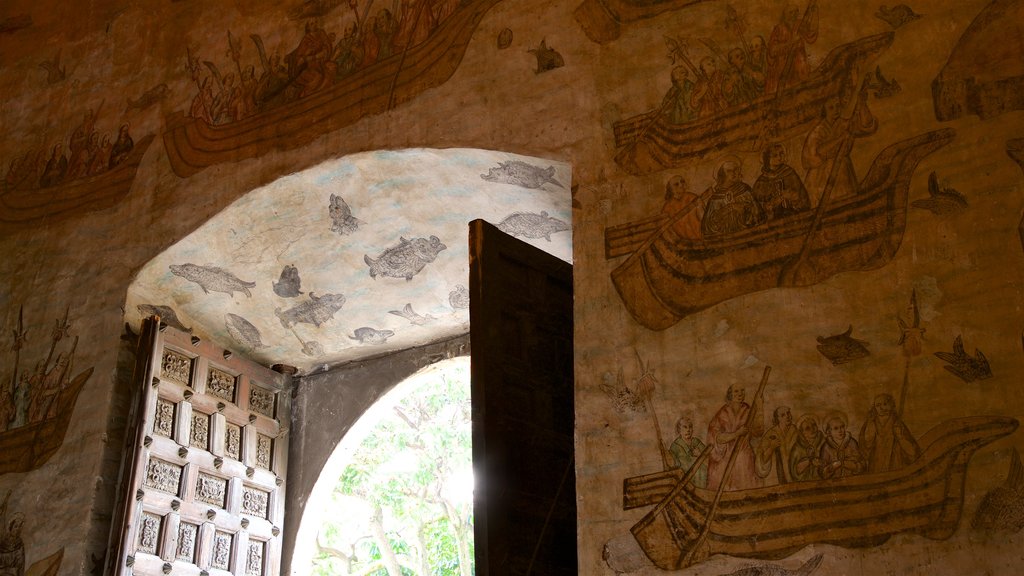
{"type": "Point", "coordinates": [787, 276]}
{"type": "Point", "coordinates": [685, 559]}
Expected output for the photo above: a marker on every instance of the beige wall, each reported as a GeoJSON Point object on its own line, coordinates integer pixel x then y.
{"type": "Point", "coordinates": [965, 268]}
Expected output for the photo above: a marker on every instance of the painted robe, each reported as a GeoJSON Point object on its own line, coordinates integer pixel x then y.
{"type": "Point", "coordinates": [744, 473]}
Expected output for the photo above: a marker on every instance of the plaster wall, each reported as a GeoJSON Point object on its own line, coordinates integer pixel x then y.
{"type": "Point", "coordinates": [964, 265]}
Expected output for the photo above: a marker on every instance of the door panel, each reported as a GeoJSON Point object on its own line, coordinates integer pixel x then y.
{"type": "Point", "coordinates": [522, 397]}
{"type": "Point", "coordinates": [207, 482]}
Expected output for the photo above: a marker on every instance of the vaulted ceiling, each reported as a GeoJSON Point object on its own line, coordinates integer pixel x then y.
{"type": "Point", "coordinates": [355, 257]}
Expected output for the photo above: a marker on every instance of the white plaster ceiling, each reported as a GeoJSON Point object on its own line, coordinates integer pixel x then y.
{"type": "Point", "coordinates": [395, 215]}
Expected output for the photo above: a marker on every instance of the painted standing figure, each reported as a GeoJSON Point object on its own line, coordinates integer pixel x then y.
{"type": "Point", "coordinates": [830, 141]}
{"type": "Point", "coordinates": [885, 440]}
{"type": "Point", "coordinates": [729, 430]}
{"type": "Point", "coordinates": [787, 47]}
{"type": "Point", "coordinates": [779, 191]}
{"type": "Point", "coordinates": [685, 450]}
{"type": "Point", "coordinates": [840, 455]}
{"type": "Point", "coordinates": [804, 459]}
{"type": "Point", "coordinates": [775, 446]}
{"type": "Point", "coordinates": [730, 204]}
{"type": "Point", "coordinates": [686, 207]}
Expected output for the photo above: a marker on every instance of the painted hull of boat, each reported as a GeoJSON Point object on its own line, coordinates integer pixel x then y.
{"type": "Point", "coordinates": [925, 498]}
{"type": "Point", "coordinates": [193, 145]}
{"type": "Point", "coordinates": [28, 447]}
{"type": "Point", "coordinates": [24, 208]}
{"type": "Point", "coordinates": [667, 277]}
{"type": "Point", "coordinates": [648, 143]}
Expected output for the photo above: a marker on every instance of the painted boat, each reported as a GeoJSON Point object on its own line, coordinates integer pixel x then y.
{"type": "Point", "coordinates": [48, 566]}
{"type": "Point", "coordinates": [668, 277]}
{"type": "Point", "coordinates": [193, 145]}
{"type": "Point", "coordinates": [25, 208]}
{"type": "Point", "coordinates": [649, 143]}
{"type": "Point", "coordinates": [924, 498]}
{"type": "Point", "coordinates": [28, 447]}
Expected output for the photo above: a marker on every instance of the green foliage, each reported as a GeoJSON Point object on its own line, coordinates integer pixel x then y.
{"type": "Point", "coordinates": [410, 466]}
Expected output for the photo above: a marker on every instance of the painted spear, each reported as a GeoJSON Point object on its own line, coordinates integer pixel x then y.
{"type": "Point", "coordinates": [645, 384]}
{"type": "Point", "coordinates": [910, 340]}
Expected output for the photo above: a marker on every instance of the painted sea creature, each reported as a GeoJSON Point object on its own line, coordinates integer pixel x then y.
{"type": "Point", "coordinates": [212, 278]}
{"type": "Point", "coordinates": [312, 348]}
{"type": "Point", "coordinates": [166, 314]}
{"type": "Point", "coordinates": [459, 297]}
{"type": "Point", "coordinates": [522, 174]}
{"type": "Point", "coordinates": [243, 331]}
{"type": "Point", "coordinates": [289, 283]}
{"type": "Point", "coordinates": [896, 16]}
{"type": "Point", "coordinates": [342, 220]}
{"type": "Point", "coordinates": [504, 38]}
{"type": "Point", "coordinates": [547, 58]}
{"type": "Point", "coordinates": [966, 367]}
{"type": "Point", "coordinates": [55, 73]}
{"type": "Point", "coordinates": [148, 98]}
{"type": "Point", "coordinates": [409, 314]}
{"type": "Point", "coordinates": [884, 87]}
{"type": "Point", "coordinates": [941, 200]}
{"type": "Point", "coordinates": [1002, 509]}
{"type": "Point", "coordinates": [842, 348]}
{"type": "Point", "coordinates": [623, 398]}
{"type": "Point", "coordinates": [316, 311]}
{"type": "Point", "coordinates": [773, 570]}
{"type": "Point", "coordinates": [367, 335]}
{"type": "Point", "coordinates": [532, 225]}
{"type": "Point", "coordinates": [406, 259]}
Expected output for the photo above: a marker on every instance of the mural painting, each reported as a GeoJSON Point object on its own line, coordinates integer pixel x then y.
{"type": "Point", "coordinates": [320, 85]}
{"type": "Point", "coordinates": [12, 545]}
{"type": "Point", "coordinates": [767, 479]}
{"type": "Point", "coordinates": [36, 403]}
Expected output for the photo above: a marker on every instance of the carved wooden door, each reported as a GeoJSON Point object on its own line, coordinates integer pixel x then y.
{"type": "Point", "coordinates": [524, 502]}
{"type": "Point", "coordinates": [207, 480]}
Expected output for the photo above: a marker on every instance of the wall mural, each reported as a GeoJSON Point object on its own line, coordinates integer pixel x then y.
{"type": "Point", "coordinates": [807, 475]}
{"type": "Point", "coordinates": [12, 545]}
{"type": "Point", "coordinates": [776, 470]}
{"type": "Point", "coordinates": [319, 86]}
{"type": "Point", "coordinates": [36, 402]}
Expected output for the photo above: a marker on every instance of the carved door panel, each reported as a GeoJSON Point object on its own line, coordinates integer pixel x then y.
{"type": "Point", "coordinates": [207, 481]}
{"type": "Point", "coordinates": [524, 503]}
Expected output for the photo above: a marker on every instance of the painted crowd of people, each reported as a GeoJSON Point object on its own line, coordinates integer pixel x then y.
{"type": "Point", "coordinates": [807, 448]}
{"type": "Point", "coordinates": [746, 72]}
{"type": "Point", "coordinates": [319, 60]}
{"type": "Point", "coordinates": [731, 205]}
{"type": "Point", "coordinates": [88, 154]}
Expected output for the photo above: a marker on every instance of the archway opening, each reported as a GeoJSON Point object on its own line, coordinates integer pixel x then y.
{"type": "Point", "coordinates": [396, 496]}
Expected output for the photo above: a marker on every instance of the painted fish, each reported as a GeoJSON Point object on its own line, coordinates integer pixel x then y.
{"type": "Point", "coordinates": [965, 366]}
{"type": "Point", "coordinates": [289, 283]}
{"type": "Point", "coordinates": [532, 225]}
{"type": "Point", "coordinates": [772, 570]}
{"type": "Point", "coordinates": [149, 98]}
{"type": "Point", "coordinates": [409, 314]}
{"type": "Point", "coordinates": [459, 298]}
{"type": "Point", "coordinates": [896, 16]}
{"type": "Point", "coordinates": [342, 220]}
{"type": "Point", "coordinates": [842, 348]}
{"type": "Point", "coordinates": [243, 331]}
{"type": "Point", "coordinates": [312, 348]}
{"type": "Point", "coordinates": [1002, 509]}
{"type": "Point", "coordinates": [367, 335]}
{"type": "Point", "coordinates": [316, 311]}
{"type": "Point", "coordinates": [405, 260]}
{"type": "Point", "coordinates": [212, 279]}
{"type": "Point", "coordinates": [522, 174]}
{"type": "Point", "coordinates": [166, 314]}
{"type": "Point", "coordinates": [941, 200]}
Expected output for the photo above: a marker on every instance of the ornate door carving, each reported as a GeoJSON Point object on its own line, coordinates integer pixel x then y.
{"type": "Point", "coordinates": [207, 481]}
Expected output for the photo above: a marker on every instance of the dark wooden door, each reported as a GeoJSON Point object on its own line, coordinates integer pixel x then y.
{"type": "Point", "coordinates": [522, 397]}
